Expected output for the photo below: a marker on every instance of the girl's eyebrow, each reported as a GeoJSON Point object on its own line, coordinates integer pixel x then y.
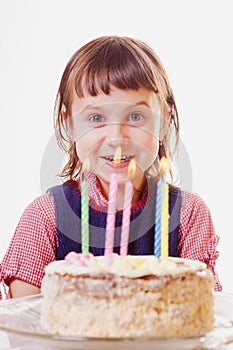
{"type": "Point", "coordinates": [139, 103]}
{"type": "Point", "coordinates": [142, 103]}
{"type": "Point", "coordinates": [91, 107]}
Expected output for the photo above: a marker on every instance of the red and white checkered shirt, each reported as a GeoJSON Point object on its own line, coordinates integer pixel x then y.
{"type": "Point", "coordinates": [34, 242]}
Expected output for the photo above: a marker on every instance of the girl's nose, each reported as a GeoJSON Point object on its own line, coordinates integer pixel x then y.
{"type": "Point", "coordinates": [116, 131]}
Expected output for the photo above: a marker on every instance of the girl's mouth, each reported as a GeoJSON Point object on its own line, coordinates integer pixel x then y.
{"type": "Point", "coordinates": [119, 162]}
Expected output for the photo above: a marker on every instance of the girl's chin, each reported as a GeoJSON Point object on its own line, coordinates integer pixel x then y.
{"type": "Point", "coordinates": [104, 172]}
{"type": "Point", "coordinates": [122, 177]}
{"type": "Point", "coordinates": [106, 177]}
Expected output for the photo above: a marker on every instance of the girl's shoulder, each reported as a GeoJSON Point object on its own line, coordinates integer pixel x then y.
{"type": "Point", "coordinates": [42, 202]}
{"type": "Point", "coordinates": [65, 190]}
{"type": "Point", "coordinates": [192, 198]}
{"type": "Point", "coordinates": [193, 204]}
{"type": "Point", "coordinates": [40, 212]}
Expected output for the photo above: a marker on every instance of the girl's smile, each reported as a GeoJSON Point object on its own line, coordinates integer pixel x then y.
{"type": "Point", "coordinates": [126, 118]}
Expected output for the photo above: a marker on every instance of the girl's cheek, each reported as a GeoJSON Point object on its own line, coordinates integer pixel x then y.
{"type": "Point", "coordinates": [82, 151]}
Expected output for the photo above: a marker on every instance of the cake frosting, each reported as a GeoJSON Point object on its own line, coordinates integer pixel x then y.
{"type": "Point", "coordinates": [127, 296]}
{"type": "Point", "coordinates": [131, 266]}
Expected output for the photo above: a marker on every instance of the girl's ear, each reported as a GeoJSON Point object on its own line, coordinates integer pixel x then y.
{"type": "Point", "coordinates": [63, 112]}
{"type": "Point", "coordinates": [67, 122]}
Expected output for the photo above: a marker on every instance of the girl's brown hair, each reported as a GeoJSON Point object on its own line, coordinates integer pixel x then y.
{"type": "Point", "coordinates": [124, 63]}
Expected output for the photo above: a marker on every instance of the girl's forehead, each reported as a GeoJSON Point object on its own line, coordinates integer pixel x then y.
{"type": "Point", "coordinates": [140, 97]}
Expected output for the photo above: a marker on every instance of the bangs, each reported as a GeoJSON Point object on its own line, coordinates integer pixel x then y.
{"type": "Point", "coordinates": [115, 64]}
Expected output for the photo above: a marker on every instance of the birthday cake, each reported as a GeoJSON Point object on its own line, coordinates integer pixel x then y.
{"type": "Point", "coordinates": [132, 296]}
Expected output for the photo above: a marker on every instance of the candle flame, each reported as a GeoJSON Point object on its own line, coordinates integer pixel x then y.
{"type": "Point", "coordinates": [117, 156]}
{"type": "Point", "coordinates": [164, 165]}
{"type": "Point", "coordinates": [132, 167]}
{"type": "Point", "coordinates": [86, 165]}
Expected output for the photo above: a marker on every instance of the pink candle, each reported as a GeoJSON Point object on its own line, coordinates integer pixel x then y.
{"type": "Point", "coordinates": [111, 213]}
{"type": "Point", "coordinates": [126, 219]}
{"type": "Point", "coordinates": [127, 211]}
{"type": "Point", "coordinates": [111, 216]}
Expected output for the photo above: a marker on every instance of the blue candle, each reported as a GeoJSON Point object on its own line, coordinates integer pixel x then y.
{"type": "Point", "coordinates": [157, 228]}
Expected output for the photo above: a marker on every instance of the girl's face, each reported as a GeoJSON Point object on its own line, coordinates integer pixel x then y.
{"type": "Point", "coordinates": [126, 118]}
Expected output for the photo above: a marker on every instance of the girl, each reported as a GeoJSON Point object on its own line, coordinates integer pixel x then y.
{"type": "Point", "coordinates": [114, 94]}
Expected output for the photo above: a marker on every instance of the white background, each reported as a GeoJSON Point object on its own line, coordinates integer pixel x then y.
{"type": "Point", "coordinates": [194, 41]}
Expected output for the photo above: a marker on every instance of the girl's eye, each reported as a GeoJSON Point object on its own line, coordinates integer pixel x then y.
{"type": "Point", "coordinates": [96, 118]}
{"type": "Point", "coordinates": [135, 117]}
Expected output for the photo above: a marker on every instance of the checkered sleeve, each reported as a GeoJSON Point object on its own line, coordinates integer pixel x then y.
{"type": "Point", "coordinates": [197, 238]}
{"type": "Point", "coordinates": [33, 244]}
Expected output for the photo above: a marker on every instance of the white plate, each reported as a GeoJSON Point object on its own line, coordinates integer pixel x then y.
{"type": "Point", "coordinates": [20, 317]}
